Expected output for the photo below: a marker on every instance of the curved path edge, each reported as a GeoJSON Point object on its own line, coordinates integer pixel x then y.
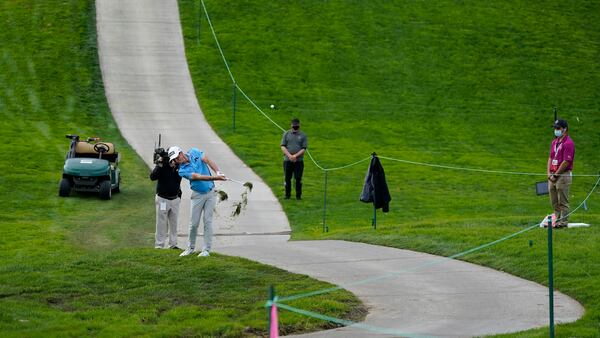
{"type": "Point", "coordinates": [150, 91]}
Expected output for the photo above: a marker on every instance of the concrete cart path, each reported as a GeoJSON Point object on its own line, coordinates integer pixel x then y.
{"type": "Point", "coordinates": [150, 91]}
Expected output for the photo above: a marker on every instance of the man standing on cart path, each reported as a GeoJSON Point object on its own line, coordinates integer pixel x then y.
{"type": "Point", "coordinates": [195, 166]}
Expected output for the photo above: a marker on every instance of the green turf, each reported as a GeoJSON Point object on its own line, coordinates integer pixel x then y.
{"type": "Point", "coordinates": [79, 266]}
{"type": "Point", "coordinates": [461, 83]}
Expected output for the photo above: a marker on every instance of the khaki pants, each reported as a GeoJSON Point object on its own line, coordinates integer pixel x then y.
{"type": "Point", "coordinates": [559, 197]}
{"type": "Point", "coordinates": [202, 204]}
{"type": "Point", "coordinates": [166, 218]}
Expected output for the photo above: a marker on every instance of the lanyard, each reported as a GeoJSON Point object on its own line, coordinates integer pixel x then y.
{"type": "Point", "coordinates": [557, 147]}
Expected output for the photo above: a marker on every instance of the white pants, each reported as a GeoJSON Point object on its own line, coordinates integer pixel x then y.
{"type": "Point", "coordinates": [202, 203]}
{"type": "Point", "coordinates": [166, 218]}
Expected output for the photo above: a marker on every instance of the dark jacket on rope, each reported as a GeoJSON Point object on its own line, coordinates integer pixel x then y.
{"type": "Point", "coordinates": [375, 189]}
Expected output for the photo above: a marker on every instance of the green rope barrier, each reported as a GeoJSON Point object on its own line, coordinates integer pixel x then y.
{"type": "Point", "coordinates": [475, 169]}
{"type": "Point", "coordinates": [337, 168]}
{"type": "Point", "coordinates": [280, 304]}
{"type": "Point", "coordinates": [346, 322]}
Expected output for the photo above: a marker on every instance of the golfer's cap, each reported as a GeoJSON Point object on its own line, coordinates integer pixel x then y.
{"type": "Point", "coordinates": [173, 152]}
{"type": "Point", "coordinates": [560, 124]}
{"type": "Point", "coordinates": [295, 122]}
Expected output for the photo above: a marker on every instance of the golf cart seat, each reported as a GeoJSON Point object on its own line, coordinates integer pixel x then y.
{"type": "Point", "coordinates": [85, 149]}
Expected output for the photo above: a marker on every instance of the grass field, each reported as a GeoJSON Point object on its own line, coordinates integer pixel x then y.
{"type": "Point", "coordinates": [79, 266]}
{"type": "Point", "coordinates": [466, 84]}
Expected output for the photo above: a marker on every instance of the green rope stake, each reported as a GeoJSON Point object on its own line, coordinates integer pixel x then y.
{"type": "Point", "coordinates": [325, 227]}
{"type": "Point", "coordinates": [374, 222]}
{"type": "Point", "coordinates": [550, 279]}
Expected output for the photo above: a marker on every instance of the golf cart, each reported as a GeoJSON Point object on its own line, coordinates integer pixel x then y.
{"type": "Point", "coordinates": [90, 166]}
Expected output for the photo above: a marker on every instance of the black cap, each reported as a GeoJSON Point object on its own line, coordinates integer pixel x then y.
{"type": "Point", "coordinates": [560, 124]}
{"type": "Point", "coordinates": [295, 122]}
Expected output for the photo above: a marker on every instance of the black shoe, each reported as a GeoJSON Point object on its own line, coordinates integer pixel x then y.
{"type": "Point", "coordinates": [298, 198]}
{"type": "Point", "coordinates": [287, 197]}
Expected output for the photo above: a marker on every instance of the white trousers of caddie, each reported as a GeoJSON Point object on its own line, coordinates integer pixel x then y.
{"type": "Point", "coordinates": [166, 220]}
{"type": "Point", "coordinates": [202, 204]}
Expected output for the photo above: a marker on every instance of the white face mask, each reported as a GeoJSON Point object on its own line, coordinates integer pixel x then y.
{"type": "Point", "coordinates": [558, 132]}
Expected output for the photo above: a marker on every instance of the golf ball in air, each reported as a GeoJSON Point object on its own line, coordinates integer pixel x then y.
{"type": "Point", "coordinates": [272, 106]}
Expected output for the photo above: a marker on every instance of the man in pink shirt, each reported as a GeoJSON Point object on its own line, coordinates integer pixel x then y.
{"type": "Point", "coordinates": [560, 164]}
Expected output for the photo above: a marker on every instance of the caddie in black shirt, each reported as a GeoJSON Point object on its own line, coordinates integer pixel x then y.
{"type": "Point", "coordinates": [293, 146]}
{"type": "Point", "coordinates": [168, 198]}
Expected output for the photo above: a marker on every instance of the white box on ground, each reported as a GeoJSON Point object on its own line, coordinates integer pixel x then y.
{"type": "Point", "coordinates": [544, 223]}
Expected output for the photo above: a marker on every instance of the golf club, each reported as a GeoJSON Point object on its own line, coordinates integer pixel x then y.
{"type": "Point", "coordinates": [248, 185]}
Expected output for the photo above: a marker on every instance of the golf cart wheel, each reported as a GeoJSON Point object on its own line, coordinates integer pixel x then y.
{"type": "Point", "coordinates": [64, 189]}
{"type": "Point", "coordinates": [105, 191]}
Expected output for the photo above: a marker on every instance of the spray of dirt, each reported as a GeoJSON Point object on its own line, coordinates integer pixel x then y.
{"type": "Point", "coordinates": [241, 205]}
